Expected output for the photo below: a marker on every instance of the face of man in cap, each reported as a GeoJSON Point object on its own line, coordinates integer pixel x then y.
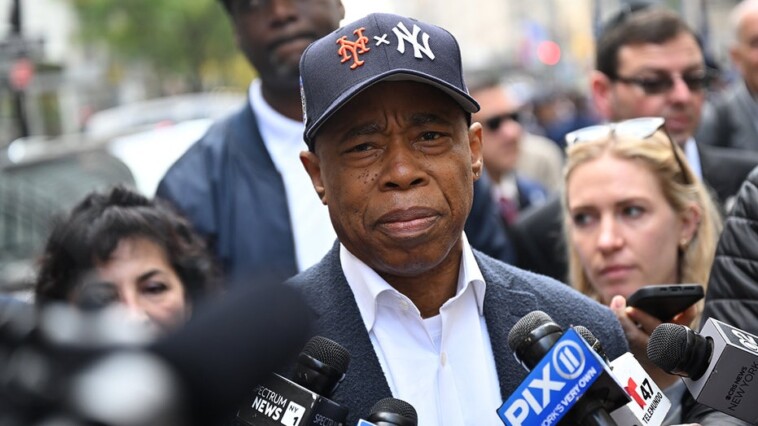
{"type": "Point", "coordinates": [273, 34]}
{"type": "Point", "coordinates": [396, 167]}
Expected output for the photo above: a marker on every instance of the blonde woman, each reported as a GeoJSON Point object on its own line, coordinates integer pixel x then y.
{"type": "Point", "coordinates": [636, 215]}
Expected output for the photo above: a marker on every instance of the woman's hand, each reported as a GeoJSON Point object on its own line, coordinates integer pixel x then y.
{"type": "Point", "coordinates": [687, 316]}
{"type": "Point", "coordinates": [638, 325]}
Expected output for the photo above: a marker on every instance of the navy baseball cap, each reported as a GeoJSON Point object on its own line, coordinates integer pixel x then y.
{"type": "Point", "coordinates": [378, 47]}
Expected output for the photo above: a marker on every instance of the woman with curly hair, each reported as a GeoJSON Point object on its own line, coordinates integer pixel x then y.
{"type": "Point", "coordinates": [121, 246]}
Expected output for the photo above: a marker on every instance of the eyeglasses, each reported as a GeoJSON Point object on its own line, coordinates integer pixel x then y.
{"type": "Point", "coordinates": [637, 128]}
{"type": "Point", "coordinates": [663, 83]}
{"type": "Point", "coordinates": [494, 123]}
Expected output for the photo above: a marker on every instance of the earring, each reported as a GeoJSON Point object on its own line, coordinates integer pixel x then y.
{"type": "Point", "coordinates": [683, 243]}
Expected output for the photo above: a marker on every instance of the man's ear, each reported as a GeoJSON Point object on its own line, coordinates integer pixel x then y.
{"type": "Point", "coordinates": [735, 54]}
{"type": "Point", "coordinates": [475, 140]}
{"type": "Point", "coordinates": [601, 88]}
{"type": "Point", "coordinates": [312, 165]}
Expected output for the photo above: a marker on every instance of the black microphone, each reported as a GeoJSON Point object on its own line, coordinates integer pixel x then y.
{"type": "Point", "coordinates": [391, 412]}
{"type": "Point", "coordinates": [718, 365]}
{"type": "Point", "coordinates": [305, 399]}
{"type": "Point", "coordinates": [533, 339]}
{"type": "Point", "coordinates": [592, 341]}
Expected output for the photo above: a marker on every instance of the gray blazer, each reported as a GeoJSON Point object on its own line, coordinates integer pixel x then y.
{"type": "Point", "coordinates": [511, 293]}
{"type": "Point", "coordinates": [731, 121]}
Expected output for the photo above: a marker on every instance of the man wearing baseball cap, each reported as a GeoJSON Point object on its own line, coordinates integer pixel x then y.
{"type": "Point", "coordinates": [393, 155]}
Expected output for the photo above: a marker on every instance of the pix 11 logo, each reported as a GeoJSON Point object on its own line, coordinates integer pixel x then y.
{"type": "Point", "coordinates": [554, 385]}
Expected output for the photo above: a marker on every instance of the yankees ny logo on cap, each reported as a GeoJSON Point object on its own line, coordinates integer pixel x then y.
{"type": "Point", "coordinates": [379, 47]}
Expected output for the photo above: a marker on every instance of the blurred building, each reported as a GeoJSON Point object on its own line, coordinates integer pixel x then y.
{"type": "Point", "coordinates": [550, 40]}
{"type": "Point", "coordinates": [553, 40]}
{"type": "Point", "coordinates": [44, 35]}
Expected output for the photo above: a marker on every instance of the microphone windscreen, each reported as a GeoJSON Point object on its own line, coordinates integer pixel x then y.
{"type": "Point", "coordinates": [667, 346]}
{"type": "Point", "coordinates": [591, 340]}
{"type": "Point", "coordinates": [329, 352]}
{"type": "Point", "coordinates": [520, 331]}
{"type": "Point", "coordinates": [397, 406]}
{"type": "Point", "coordinates": [586, 334]}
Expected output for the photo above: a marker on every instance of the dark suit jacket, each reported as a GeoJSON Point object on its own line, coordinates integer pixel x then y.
{"type": "Point", "coordinates": [510, 294]}
{"type": "Point", "coordinates": [538, 233]}
{"type": "Point", "coordinates": [732, 295]}
{"type": "Point", "coordinates": [731, 121]}
{"type": "Point", "coordinates": [227, 185]}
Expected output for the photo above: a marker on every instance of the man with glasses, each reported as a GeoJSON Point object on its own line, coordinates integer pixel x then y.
{"type": "Point", "coordinates": [651, 64]}
{"type": "Point", "coordinates": [242, 184]}
{"type": "Point", "coordinates": [648, 63]}
{"type": "Point", "coordinates": [499, 115]}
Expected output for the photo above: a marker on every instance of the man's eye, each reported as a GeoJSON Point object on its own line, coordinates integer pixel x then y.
{"type": "Point", "coordinates": [428, 136]}
{"type": "Point", "coordinates": [360, 148]}
{"type": "Point", "coordinates": [251, 5]}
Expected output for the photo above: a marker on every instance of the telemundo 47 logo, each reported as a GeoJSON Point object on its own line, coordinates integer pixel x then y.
{"type": "Point", "coordinates": [562, 376]}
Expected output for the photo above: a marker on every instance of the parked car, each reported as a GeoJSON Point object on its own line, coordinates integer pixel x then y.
{"type": "Point", "coordinates": [41, 178]}
{"type": "Point", "coordinates": [149, 136]}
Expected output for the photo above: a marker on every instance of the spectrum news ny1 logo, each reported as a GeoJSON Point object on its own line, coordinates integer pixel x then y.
{"type": "Point", "coordinates": [562, 376]}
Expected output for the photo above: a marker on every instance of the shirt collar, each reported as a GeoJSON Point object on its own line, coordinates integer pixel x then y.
{"type": "Point", "coordinates": [693, 157]}
{"type": "Point", "coordinates": [275, 123]}
{"type": "Point", "coordinates": [507, 186]}
{"type": "Point", "coordinates": [367, 286]}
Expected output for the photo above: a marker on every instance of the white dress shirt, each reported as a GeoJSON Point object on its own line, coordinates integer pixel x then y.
{"type": "Point", "coordinates": [693, 157]}
{"type": "Point", "coordinates": [443, 365]}
{"type": "Point", "coordinates": [309, 218]}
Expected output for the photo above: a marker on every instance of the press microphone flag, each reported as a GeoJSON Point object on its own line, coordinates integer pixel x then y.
{"type": "Point", "coordinates": [556, 383]}
{"type": "Point", "coordinates": [649, 405]}
{"type": "Point", "coordinates": [304, 400]}
{"type": "Point", "coordinates": [718, 365]}
{"type": "Point", "coordinates": [279, 401]}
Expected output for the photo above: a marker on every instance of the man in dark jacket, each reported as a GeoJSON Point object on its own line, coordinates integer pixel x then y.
{"type": "Point", "coordinates": [394, 155]}
{"type": "Point", "coordinates": [732, 295]}
{"type": "Point", "coordinates": [732, 119]}
{"type": "Point", "coordinates": [242, 185]}
{"type": "Point", "coordinates": [630, 83]}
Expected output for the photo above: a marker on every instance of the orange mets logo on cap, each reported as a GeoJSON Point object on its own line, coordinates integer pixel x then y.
{"type": "Point", "coordinates": [351, 49]}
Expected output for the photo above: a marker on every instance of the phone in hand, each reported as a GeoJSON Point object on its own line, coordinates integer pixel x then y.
{"type": "Point", "coordinates": [665, 301]}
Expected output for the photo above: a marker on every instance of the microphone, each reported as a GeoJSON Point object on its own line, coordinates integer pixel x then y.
{"type": "Point", "coordinates": [592, 341]}
{"type": "Point", "coordinates": [391, 412]}
{"type": "Point", "coordinates": [718, 365]}
{"type": "Point", "coordinates": [649, 404]}
{"type": "Point", "coordinates": [320, 368]}
{"type": "Point", "coordinates": [567, 377]}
